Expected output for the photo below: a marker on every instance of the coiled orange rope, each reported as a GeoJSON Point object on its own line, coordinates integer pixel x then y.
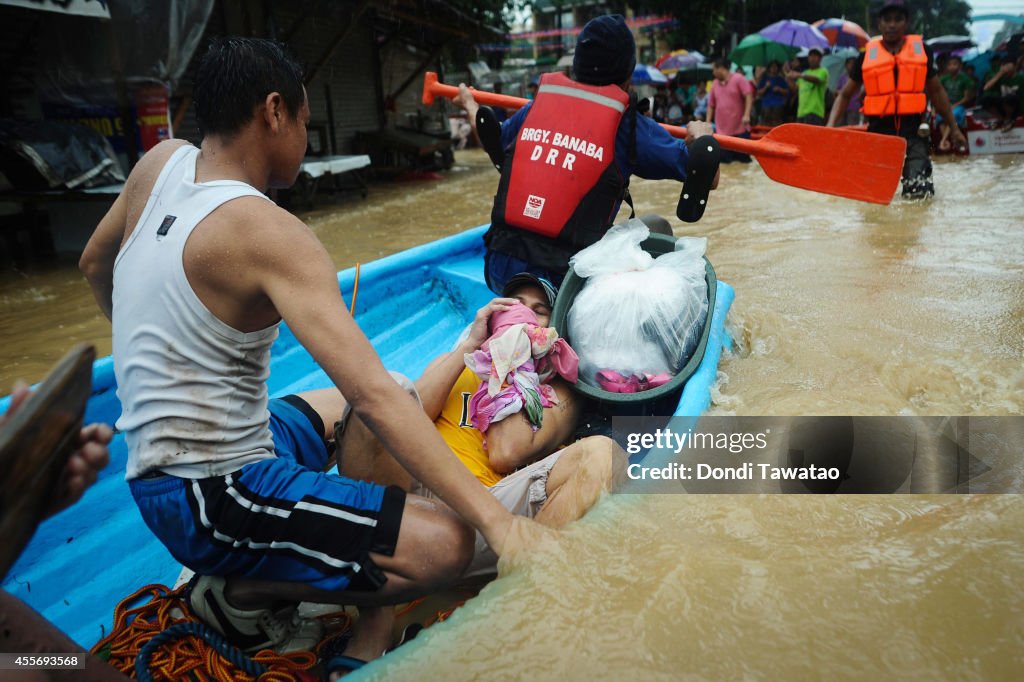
{"type": "Point", "coordinates": [190, 657]}
{"type": "Point", "coordinates": [137, 620]}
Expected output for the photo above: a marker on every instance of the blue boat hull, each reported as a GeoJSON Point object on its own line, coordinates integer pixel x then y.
{"type": "Point", "coordinates": [411, 305]}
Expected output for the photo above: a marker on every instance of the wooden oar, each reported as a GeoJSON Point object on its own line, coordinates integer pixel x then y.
{"type": "Point", "coordinates": [35, 444]}
{"type": "Point", "coordinates": [845, 163]}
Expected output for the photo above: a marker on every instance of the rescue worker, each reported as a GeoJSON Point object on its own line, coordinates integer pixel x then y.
{"type": "Point", "coordinates": [569, 155]}
{"type": "Point", "coordinates": [899, 77]}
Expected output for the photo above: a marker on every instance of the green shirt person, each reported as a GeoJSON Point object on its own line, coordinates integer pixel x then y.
{"type": "Point", "coordinates": [960, 89]}
{"type": "Point", "coordinates": [959, 86]}
{"type": "Point", "coordinates": [810, 85]}
{"type": "Point", "coordinates": [1004, 91]}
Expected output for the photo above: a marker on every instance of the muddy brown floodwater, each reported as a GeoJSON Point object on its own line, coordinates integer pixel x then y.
{"type": "Point", "coordinates": [841, 308]}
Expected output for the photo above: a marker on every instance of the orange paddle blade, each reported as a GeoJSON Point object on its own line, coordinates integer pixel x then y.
{"type": "Point", "coordinates": [844, 163]}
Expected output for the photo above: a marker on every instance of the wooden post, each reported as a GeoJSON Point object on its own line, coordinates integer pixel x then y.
{"type": "Point", "coordinates": [338, 40]}
{"type": "Point", "coordinates": [417, 72]}
{"type": "Point", "coordinates": [179, 115]}
{"type": "Point", "coordinates": [125, 110]}
{"type": "Point", "coordinates": [332, 140]}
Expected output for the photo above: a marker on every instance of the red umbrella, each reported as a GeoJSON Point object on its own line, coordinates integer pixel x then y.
{"type": "Point", "coordinates": [842, 33]}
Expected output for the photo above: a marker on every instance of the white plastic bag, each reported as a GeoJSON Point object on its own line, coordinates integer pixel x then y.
{"type": "Point", "coordinates": [637, 314]}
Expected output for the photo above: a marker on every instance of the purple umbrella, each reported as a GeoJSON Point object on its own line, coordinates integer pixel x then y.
{"type": "Point", "coordinates": [795, 33]}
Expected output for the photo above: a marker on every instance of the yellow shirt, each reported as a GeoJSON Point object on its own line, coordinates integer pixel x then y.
{"type": "Point", "coordinates": [457, 431]}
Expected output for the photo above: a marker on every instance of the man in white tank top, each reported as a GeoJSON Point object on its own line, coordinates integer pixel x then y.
{"type": "Point", "coordinates": [196, 268]}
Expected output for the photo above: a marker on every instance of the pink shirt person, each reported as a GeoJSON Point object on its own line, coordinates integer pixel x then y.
{"type": "Point", "coordinates": [729, 103]}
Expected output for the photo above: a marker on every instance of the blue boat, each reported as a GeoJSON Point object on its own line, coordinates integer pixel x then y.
{"type": "Point", "coordinates": [412, 305]}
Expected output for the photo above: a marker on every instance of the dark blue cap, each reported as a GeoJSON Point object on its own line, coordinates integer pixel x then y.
{"type": "Point", "coordinates": [605, 52]}
{"type": "Point", "coordinates": [524, 278]}
{"type": "Point", "coordinates": [894, 4]}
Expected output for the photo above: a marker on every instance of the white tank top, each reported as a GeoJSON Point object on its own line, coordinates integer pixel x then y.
{"type": "Point", "coordinates": [193, 389]}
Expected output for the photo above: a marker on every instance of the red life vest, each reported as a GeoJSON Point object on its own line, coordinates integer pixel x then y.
{"type": "Point", "coordinates": [564, 147]}
{"type": "Point", "coordinates": [894, 84]}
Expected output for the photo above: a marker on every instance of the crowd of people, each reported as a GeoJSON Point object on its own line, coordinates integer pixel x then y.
{"type": "Point", "coordinates": [893, 86]}
{"type": "Point", "coordinates": [776, 89]}
{"type": "Point", "coordinates": [798, 91]}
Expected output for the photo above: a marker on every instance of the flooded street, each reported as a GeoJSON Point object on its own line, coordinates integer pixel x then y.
{"type": "Point", "coordinates": [841, 308]}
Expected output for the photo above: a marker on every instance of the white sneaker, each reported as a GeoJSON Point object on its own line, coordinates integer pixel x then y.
{"type": "Point", "coordinates": [251, 630]}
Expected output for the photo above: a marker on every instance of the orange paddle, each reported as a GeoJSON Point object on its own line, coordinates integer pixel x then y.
{"type": "Point", "coordinates": [846, 163]}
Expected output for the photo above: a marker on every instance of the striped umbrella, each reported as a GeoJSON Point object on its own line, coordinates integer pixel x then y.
{"type": "Point", "coordinates": [672, 62]}
{"type": "Point", "coordinates": [842, 33]}
{"type": "Point", "coordinates": [648, 75]}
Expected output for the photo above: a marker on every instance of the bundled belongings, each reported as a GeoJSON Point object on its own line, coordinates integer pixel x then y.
{"type": "Point", "coordinates": [516, 365]}
{"type": "Point", "coordinates": [637, 319]}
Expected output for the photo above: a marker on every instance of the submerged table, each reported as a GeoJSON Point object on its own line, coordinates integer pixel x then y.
{"type": "Point", "coordinates": [314, 169]}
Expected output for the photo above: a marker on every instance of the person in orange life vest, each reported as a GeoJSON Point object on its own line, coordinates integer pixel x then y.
{"type": "Point", "coordinates": [569, 155]}
{"type": "Point", "coordinates": [532, 473]}
{"type": "Point", "coordinates": [899, 77]}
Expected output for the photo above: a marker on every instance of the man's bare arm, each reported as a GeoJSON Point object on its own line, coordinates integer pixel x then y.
{"type": "Point", "coordinates": [842, 99]}
{"type": "Point", "coordinates": [97, 261]}
{"type": "Point", "coordinates": [940, 100]}
{"type": "Point", "coordinates": [512, 442]}
{"type": "Point", "coordinates": [469, 103]}
{"type": "Point", "coordinates": [1004, 70]}
{"type": "Point", "coordinates": [296, 274]}
{"type": "Point", "coordinates": [440, 375]}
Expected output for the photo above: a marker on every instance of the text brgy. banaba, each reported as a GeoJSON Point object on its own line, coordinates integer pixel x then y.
{"type": "Point", "coordinates": [568, 143]}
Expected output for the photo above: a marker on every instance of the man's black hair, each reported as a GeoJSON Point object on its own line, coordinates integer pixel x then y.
{"type": "Point", "coordinates": [236, 74]}
{"type": "Point", "coordinates": [723, 63]}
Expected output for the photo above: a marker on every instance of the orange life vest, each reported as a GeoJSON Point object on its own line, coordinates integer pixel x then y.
{"type": "Point", "coordinates": [894, 83]}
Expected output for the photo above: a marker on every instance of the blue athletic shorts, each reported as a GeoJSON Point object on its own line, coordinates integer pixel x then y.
{"type": "Point", "coordinates": [280, 519]}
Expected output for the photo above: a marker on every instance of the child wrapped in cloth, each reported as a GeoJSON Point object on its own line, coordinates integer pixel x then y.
{"type": "Point", "coordinates": [516, 366]}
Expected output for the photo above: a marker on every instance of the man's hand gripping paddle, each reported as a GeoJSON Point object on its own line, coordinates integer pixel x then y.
{"type": "Point", "coordinates": [35, 443]}
{"type": "Point", "coordinates": [845, 163]}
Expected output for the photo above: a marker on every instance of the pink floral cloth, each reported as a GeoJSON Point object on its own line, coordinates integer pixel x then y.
{"type": "Point", "coordinates": [516, 365]}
